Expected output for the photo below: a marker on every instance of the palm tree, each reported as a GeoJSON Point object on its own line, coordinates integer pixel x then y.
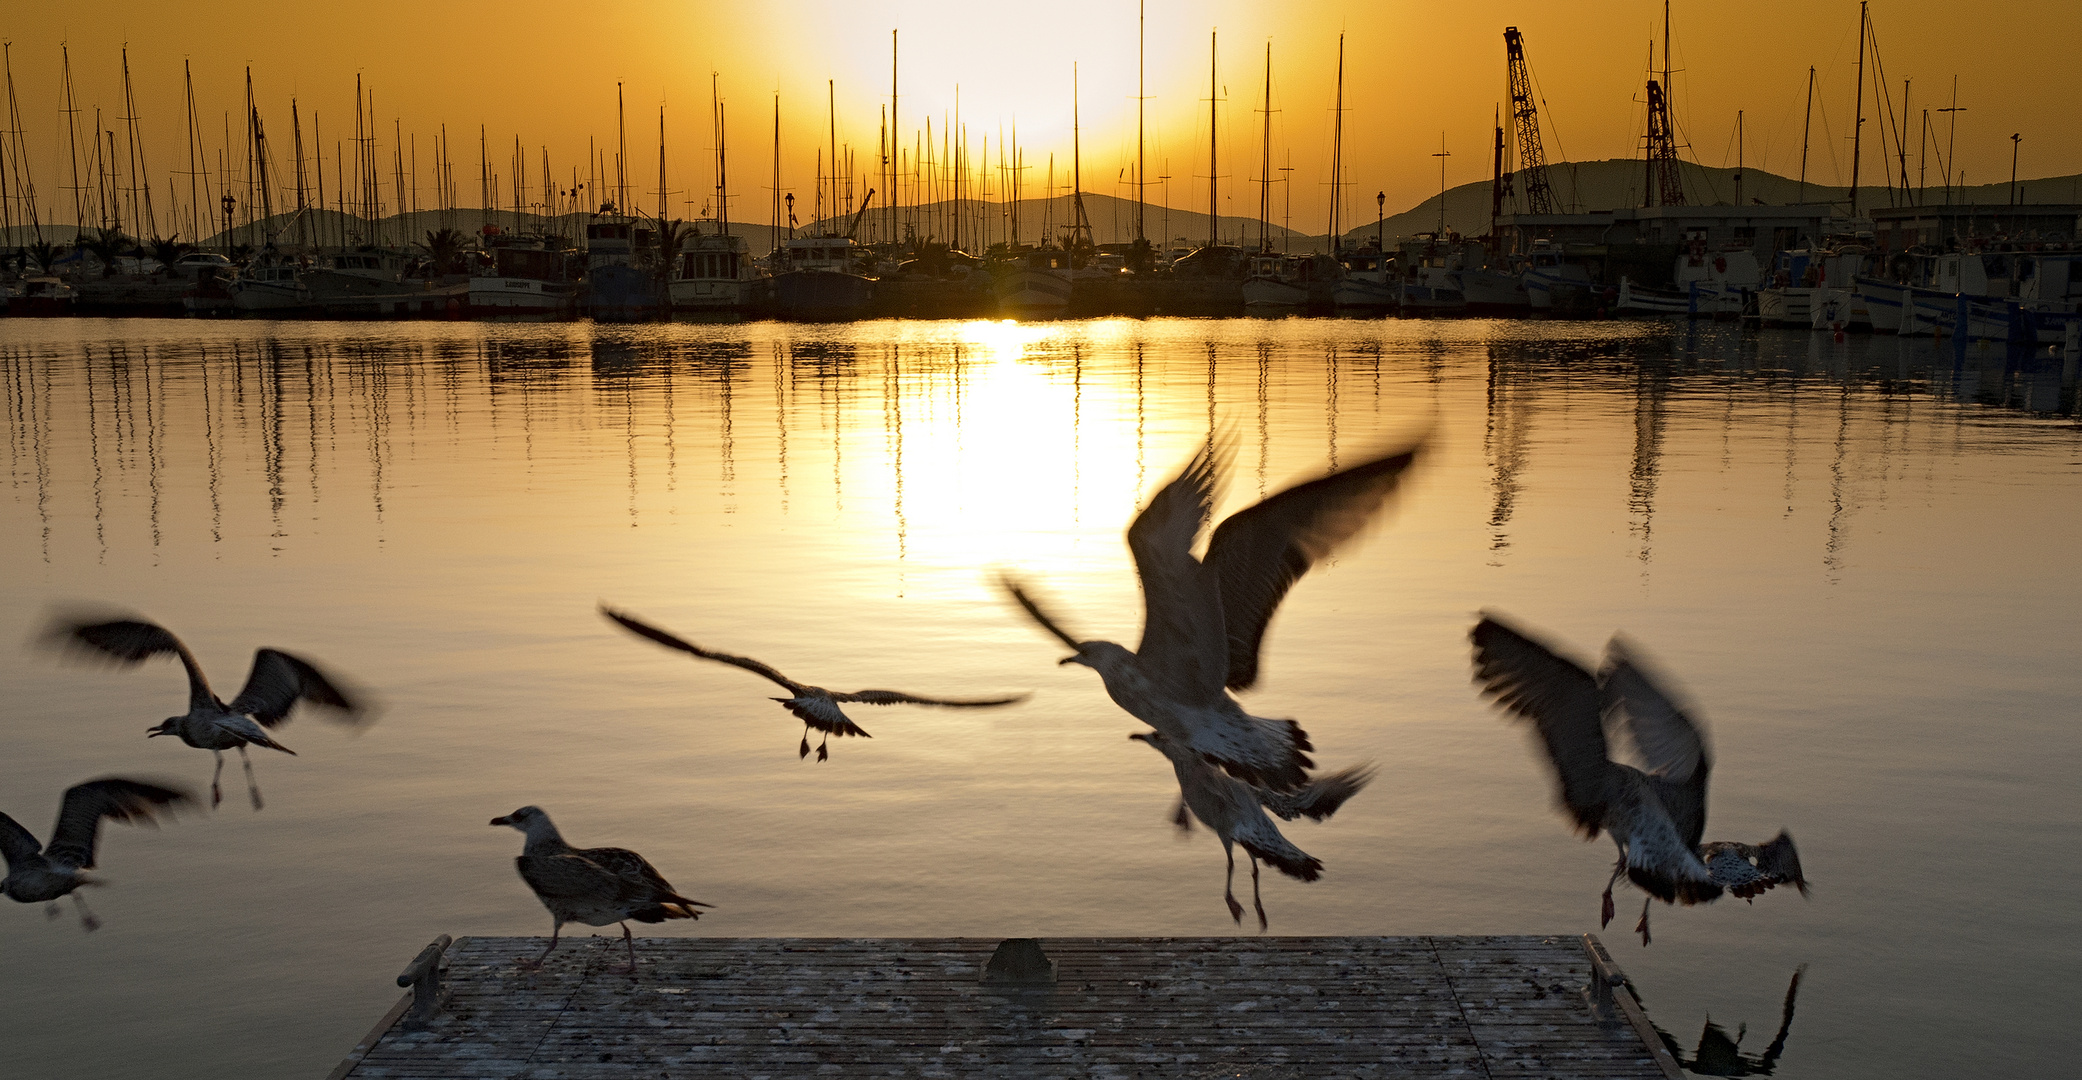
{"type": "Point", "coordinates": [672, 236]}
{"type": "Point", "coordinates": [446, 247]}
{"type": "Point", "coordinates": [44, 254]}
{"type": "Point", "coordinates": [108, 245]}
{"type": "Point", "coordinates": [168, 250]}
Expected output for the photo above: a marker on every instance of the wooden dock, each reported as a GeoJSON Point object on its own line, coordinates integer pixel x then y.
{"type": "Point", "coordinates": [1267, 1008]}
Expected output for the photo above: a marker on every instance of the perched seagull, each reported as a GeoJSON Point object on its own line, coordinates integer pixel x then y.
{"type": "Point", "coordinates": [594, 886]}
{"type": "Point", "coordinates": [39, 873]}
{"type": "Point", "coordinates": [1205, 621]}
{"type": "Point", "coordinates": [1656, 814]}
{"type": "Point", "coordinates": [1236, 812]}
{"type": "Point", "coordinates": [277, 682]}
{"type": "Point", "coordinates": [814, 705]}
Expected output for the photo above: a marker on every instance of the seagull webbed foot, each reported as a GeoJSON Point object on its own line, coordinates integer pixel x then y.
{"type": "Point", "coordinates": [1642, 926]}
{"type": "Point", "coordinates": [822, 752]}
{"type": "Point", "coordinates": [527, 963]}
{"type": "Point", "coordinates": [803, 751]}
{"type": "Point", "coordinates": [1605, 912]}
{"type": "Point", "coordinates": [1235, 909]}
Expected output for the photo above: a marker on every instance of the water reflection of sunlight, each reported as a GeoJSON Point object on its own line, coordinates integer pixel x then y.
{"type": "Point", "coordinates": [1004, 340]}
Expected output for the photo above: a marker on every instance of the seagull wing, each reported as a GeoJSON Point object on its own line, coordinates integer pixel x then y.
{"type": "Point", "coordinates": [16, 843]}
{"type": "Point", "coordinates": [641, 881]}
{"type": "Point", "coordinates": [1561, 700]}
{"type": "Point", "coordinates": [1182, 650]}
{"type": "Point", "coordinates": [1671, 745]}
{"type": "Point", "coordinates": [1033, 609]}
{"type": "Point", "coordinates": [571, 878]}
{"type": "Point", "coordinates": [1319, 798]}
{"type": "Point", "coordinates": [898, 697]}
{"type": "Point", "coordinates": [643, 629]}
{"type": "Point", "coordinates": [1259, 552]}
{"type": "Point", "coordinates": [278, 681]}
{"type": "Point", "coordinates": [78, 831]}
{"type": "Point", "coordinates": [132, 641]}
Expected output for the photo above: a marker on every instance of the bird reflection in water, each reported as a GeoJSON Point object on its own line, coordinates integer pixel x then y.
{"type": "Point", "coordinates": [1719, 1055]}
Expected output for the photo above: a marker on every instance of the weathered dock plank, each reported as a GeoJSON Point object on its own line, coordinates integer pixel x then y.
{"type": "Point", "coordinates": [1116, 1007]}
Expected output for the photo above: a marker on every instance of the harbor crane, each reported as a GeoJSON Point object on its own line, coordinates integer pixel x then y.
{"type": "Point", "coordinates": [1522, 138]}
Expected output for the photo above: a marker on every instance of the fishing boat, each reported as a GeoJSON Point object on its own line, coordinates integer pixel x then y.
{"type": "Point", "coordinates": [523, 278]}
{"type": "Point", "coordinates": [1033, 283]}
{"type": "Point", "coordinates": [1429, 283]}
{"type": "Point", "coordinates": [711, 275]}
{"type": "Point", "coordinates": [819, 280]}
{"type": "Point", "coordinates": [1368, 285]}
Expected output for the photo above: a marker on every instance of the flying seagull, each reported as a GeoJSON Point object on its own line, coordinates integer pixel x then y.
{"type": "Point", "coordinates": [1656, 813]}
{"type": "Point", "coordinates": [1204, 621]}
{"type": "Point", "coordinates": [1235, 811]}
{"type": "Point", "coordinates": [41, 873]}
{"type": "Point", "coordinates": [815, 706]}
{"type": "Point", "coordinates": [594, 886]}
{"type": "Point", "coordinates": [277, 682]}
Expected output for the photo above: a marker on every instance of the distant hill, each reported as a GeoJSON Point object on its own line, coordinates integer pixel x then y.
{"type": "Point", "coordinates": [1578, 186]}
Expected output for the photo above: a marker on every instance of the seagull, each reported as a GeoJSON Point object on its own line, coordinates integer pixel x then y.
{"type": "Point", "coordinates": [814, 705]}
{"type": "Point", "coordinates": [1205, 620]}
{"type": "Point", "coordinates": [39, 873]}
{"type": "Point", "coordinates": [595, 886]}
{"type": "Point", "coordinates": [1236, 812]}
{"type": "Point", "coordinates": [1656, 814]}
{"type": "Point", "coordinates": [274, 686]}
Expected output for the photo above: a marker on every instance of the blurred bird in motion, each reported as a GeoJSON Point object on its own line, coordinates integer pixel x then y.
{"type": "Point", "coordinates": [1235, 811]}
{"type": "Point", "coordinates": [594, 886]}
{"type": "Point", "coordinates": [1656, 813]}
{"type": "Point", "coordinates": [41, 873]}
{"type": "Point", "coordinates": [815, 706]}
{"type": "Point", "coordinates": [1204, 621]}
{"type": "Point", "coordinates": [273, 688]}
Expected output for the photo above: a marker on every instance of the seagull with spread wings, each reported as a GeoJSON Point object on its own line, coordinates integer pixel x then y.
{"type": "Point", "coordinates": [273, 688]}
{"type": "Point", "coordinates": [41, 873]}
{"type": "Point", "coordinates": [1204, 620]}
{"type": "Point", "coordinates": [1235, 811]}
{"type": "Point", "coordinates": [594, 886]}
{"type": "Point", "coordinates": [815, 706]}
{"type": "Point", "coordinates": [1656, 814]}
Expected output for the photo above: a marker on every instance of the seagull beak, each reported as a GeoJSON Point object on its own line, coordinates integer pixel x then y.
{"type": "Point", "coordinates": [508, 820]}
{"type": "Point", "coordinates": [154, 732]}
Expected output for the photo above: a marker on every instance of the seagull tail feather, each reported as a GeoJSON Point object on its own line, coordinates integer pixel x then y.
{"type": "Point", "coordinates": [1287, 859]}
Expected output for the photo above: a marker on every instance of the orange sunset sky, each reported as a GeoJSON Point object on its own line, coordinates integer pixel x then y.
{"type": "Point", "coordinates": [546, 73]}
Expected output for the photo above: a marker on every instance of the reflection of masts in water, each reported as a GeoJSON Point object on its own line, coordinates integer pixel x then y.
{"type": "Point", "coordinates": [1330, 404]}
{"type": "Point", "coordinates": [1264, 411]}
{"type": "Point", "coordinates": [270, 362]}
{"type": "Point", "coordinates": [1839, 514]}
{"type": "Point", "coordinates": [781, 380]}
{"type": "Point", "coordinates": [1139, 417]}
{"type": "Point", "coordinates": [893, 444]}
{"type": "Point", "coordinates": [1718, 1055]}
{"type": "Point", "coordinates": [1792, 443]}
{"type": "Point", "coordinates": [94, 455]}
{"type": "Point", "coordinates": [154, 417]}
{"type": "Point", "coordinates": [209, 449]}
{"type": "Point", "coordinates": [1076, 431]}
{"type": "Point", "coordinates": [1503, 440]}
{"type": "Point", "coordinates": [1210, 397]}
{"type": "Point", "coordinates": [311, 421]}
{"type": "Point", "coordinates": [28, 413]}
{"type": "Point", "coordinates": [1649, 409]}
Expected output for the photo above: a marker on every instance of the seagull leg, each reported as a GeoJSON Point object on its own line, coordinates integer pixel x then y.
{"type": "Point", "coordinates": [630, 967]}
{"type": "Point", "coordinates": [1259, 904]}
{"type": "Point", "coordinates": [217, 793]}
{"type": "Point", "coordinates": [87, 920]}
{"type": "Point", "coordinates": [1605, 913]}
{"type": "Point", "coordinates": [1229, 885]}
{"type": "Point", "coordinates": [803, 751]}
{"type": "Point", "coordinates": [252, 789]}
{"type": "Point", "coordinates": [823, 753]}
{"type": "Point", "coordinates": [526, 964]}
{"type": "Point", "coordinates": [1641, 928]}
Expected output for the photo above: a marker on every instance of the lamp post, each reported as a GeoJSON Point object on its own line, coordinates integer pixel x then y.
{"type": "Point", "coordinates": [1380, 215]}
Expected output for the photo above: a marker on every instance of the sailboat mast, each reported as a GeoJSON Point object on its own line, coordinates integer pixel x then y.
{"type": "Point", "coordinates": [1738, 157]}
{"type": "Point", "coordinates": [1337, 155]}
{"type": "Point", "coordinates": [621, 156]}
{"type": "Point", "coordinates": [1141, 29]}
{"type": "Point", "coordinates": [1214, 232]}
{"type": "Point", "coordinates": [1858, 126]}
{"type": "Point", "coordinates": [1265, 162]}
{"type": "Point", "coordinates": [72, 133]}
{"type": "Point", "coordinates": [1806, 127]}
{"type": "Point", "coordinates": [889, 207]}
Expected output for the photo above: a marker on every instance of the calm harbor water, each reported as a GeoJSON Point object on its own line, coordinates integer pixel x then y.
{"type": "Point", "coordinates": [1857, 557]}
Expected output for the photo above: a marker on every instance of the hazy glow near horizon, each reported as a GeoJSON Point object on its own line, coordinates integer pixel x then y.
{"type": "Point", "coordinates": [543, 76]}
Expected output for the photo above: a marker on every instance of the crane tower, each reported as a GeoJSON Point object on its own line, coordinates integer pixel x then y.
{"type": "Point", "coordinates": [1522, 139]}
